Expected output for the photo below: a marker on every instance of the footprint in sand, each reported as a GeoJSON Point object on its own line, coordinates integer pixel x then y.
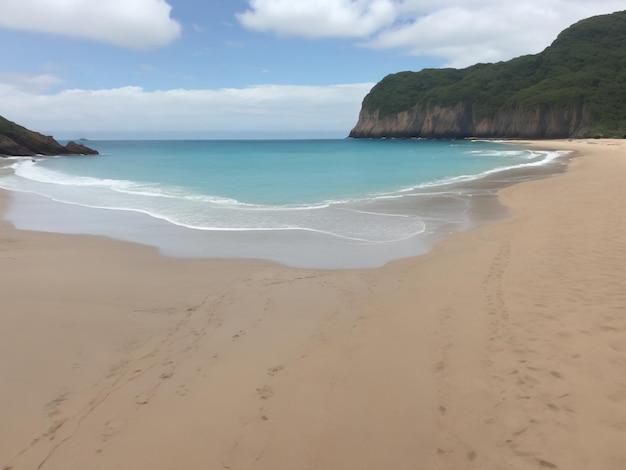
{"type": "Point", "coordinates": [556, 374]}
{"type": "Point", "coordinates": [54, 428]}
{"type": "Point", "coordinates": [52, 407]}
{"type": "Point", "coordinates": [166, 375]}
{"type": "Point", "coordinates": [239, 335]}
{"type": "Point", "coordinates": [265, 392]}
{"type": "Point", "coordinates": [272, 371]}
{"type": "Point", "coordinates": [143, 398]}
{"type": "Point", "coordinates": [546, 464]}
{"type": "Point", "coordinates": [111, 428]}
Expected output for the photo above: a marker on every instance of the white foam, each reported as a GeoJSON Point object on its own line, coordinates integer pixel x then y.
{"type": "Point", "coordinates": [356, 226]}
{"type": "Point", "coordinates": [347, 219]}
{"type": "Point", "coordinates": [549, 156]}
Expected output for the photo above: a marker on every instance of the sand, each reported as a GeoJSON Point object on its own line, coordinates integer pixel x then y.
{"type": "Point", "coordinates": [503, 348]}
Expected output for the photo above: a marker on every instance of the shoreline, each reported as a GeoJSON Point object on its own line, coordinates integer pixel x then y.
{"type": "Point", "coordinates": [450, 206]}
{"type": "Point", "coordinates": [503, 347]}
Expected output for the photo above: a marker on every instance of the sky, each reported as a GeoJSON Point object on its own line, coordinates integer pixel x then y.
{"type": "Point", "coordinates": [209, 69]}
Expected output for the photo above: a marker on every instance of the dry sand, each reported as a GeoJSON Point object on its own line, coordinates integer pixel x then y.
{"type": "Point", "coordinates": [503, 348]}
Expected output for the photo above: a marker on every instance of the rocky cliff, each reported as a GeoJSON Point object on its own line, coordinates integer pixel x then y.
{"type": "Point", "coordinates": [574, 88]}
{"type": "Point", "coordinates": [16, 140]}
{"type": "Point", "coordinates": [460, 121]}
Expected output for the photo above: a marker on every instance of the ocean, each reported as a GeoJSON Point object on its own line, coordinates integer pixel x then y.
{"type": "Point", "coordinates": [346, 203]}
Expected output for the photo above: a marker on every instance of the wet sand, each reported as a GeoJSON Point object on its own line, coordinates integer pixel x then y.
{"type": "Point", "coordinates": [504, 347]}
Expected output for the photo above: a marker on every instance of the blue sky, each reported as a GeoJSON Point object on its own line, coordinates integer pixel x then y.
{"type": "Point", "coordinates": [243, 68]}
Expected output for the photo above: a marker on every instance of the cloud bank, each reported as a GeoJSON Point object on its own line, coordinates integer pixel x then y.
{"type": "Point", "coordinates": [264, 111]}
{"type": "Point", "coordinates": [461, 32]}
{"type": "Point", "coordinates": [135, 24]}
{"type": "Point", "coordinates": [319, 18]}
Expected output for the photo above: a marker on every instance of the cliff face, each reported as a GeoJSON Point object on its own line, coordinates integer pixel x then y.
{"type": "Point", "coordinates": [576, 87]}
{"type": "Point", "coordinates": [16, 140]}
{"type": "Point", "coordinates": [458, 121]}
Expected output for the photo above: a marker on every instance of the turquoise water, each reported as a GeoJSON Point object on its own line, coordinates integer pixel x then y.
{"type": "Point", "coordinates": [351, 192]}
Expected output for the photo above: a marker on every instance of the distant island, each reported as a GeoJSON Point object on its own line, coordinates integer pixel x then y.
{"type": "Point", "coordinates": [574, 88]}
{"type": "Point", "coordinates": [16, 140]}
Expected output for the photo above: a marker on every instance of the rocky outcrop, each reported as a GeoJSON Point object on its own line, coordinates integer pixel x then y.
{"type": "Point", "coordinates": [460, 120]}
{"type": "Point", "coordinates": [16, 140]}
{"type": "Point", "coordinates": [80, 149]}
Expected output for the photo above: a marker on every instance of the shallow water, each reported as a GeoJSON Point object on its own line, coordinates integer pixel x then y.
{"type": "Point", "coordinates": [316, 203]}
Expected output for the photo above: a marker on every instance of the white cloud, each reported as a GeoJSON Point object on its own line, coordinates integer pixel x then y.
{"type": "Point", "coordinates": [464, 33]}
{"type": "Point", "coordinates": [136, 24]}
{"type": "Point", "coordinates": [26, 83]}
{"type": "Point", "coordinates": [460, 32]}
{"type": "Point", "coordinates": [319, 18]}
{"type": "Point", "coordinates": [255, 112]}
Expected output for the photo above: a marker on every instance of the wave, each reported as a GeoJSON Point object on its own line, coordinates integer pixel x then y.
{"type": "Point", "coordinates": [366, 219]}
{"type": "Point", "coordinates": [446, 183]}
{"type": "Point", "coordinates": [522, 153]}
{"type": "Point", "coordinates": [208, 213]}
{"type": "Point", "coordinates": [30, 170]}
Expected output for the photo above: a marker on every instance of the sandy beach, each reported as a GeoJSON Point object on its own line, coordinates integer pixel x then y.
{"type": "Point", "coordinates": [502, 348]}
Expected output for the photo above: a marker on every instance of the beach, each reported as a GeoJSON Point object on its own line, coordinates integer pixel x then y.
{"type": "Point", "coordinates": [502, 348]}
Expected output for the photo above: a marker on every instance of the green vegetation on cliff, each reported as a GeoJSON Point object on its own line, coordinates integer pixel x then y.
{"type": "Point", "coordinates": [17, 140]}
{"type": "Point", "coordinates": [585, 65]}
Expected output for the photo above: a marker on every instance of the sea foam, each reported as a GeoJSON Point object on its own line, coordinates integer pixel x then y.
{"type": "Point", "coordinates": [356, 192]}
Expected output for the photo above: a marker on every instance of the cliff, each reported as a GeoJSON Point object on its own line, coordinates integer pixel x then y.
{"type": "Point", "coordinates": [574, 88]}
{"type": "Point", "coordinates": [16, 140]}
{"type": "Point", "coordinates": [460, 121]}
